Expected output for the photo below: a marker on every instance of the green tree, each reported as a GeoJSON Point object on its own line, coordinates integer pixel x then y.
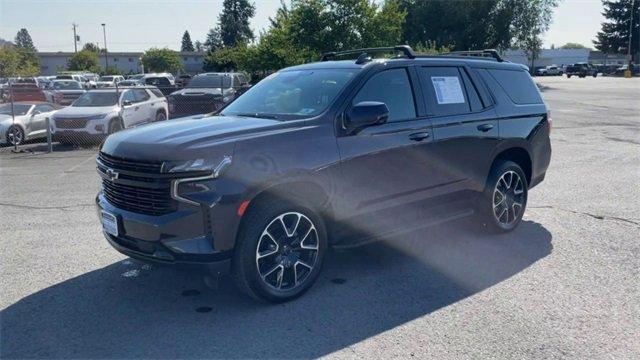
{"type": "Point", "coordinates": [613, 38]}
{"type": "Point", "coordinates": [29, 60]}
{"type": "Point", "coordinates": [84, 60]}
{"type": "Point", "coordinates": [92, 47]}
{"type": "Point", "coordinates": [531, 19]}
{"type": "Point", "coordinates": [213, 41]}
{"type": "Point", "coordinates": [234, 22]}
{"type": "Point", "coordinates": [571, 45]}
{"type": "Point", "coordinates": [12, 63]}
{"type": "Point", "coordinates": [23, 40]}
{"type": "Point", "coordinates": [198, 46]}
{"type": "Point", "coordinates": [161, 60]}
{"type": "Point", "coordinates": [187, 45]}
{"type": "Point", "coordinates": [224, 59]}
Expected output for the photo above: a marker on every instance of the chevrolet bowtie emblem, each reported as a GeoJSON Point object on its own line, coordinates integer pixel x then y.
{"type": "Point", "coordinates": [112, 175]}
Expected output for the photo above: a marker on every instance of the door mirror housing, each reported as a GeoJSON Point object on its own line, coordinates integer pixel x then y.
{"type": "Point", "coordinates": [126, 102]}
{"type": "Point", "coordinates": [364, 114]}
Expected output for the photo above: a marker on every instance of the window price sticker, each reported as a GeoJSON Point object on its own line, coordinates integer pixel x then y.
{"type": "Point", "coordinates": [448, 89]}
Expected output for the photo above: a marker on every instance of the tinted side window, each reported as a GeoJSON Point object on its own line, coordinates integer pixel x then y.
{"type": "Point", "coordinates": [445, 91]}
{"type": "Point", "coordinates": [128, 96]}
{"type": "Point", "coordinates": [472, 92]}
{"type": "Point", "coordinates": [393, 88]}
{"type": "Point", "coordinates": [157, 92]}
{"type": "Point", "coordinates": [518, 85]}
{"type": "Point", "coordinates": [141, 95]}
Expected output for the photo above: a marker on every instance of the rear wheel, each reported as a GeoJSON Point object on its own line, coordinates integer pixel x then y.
{"type": "Point", "coordinates": [161, 116]}
{"type": "Point", "coordinates": [279, 250]}
{"type": "Point", "coordinates": [15, 135]}
{"type": "Point", "coordinates": [505, 197]}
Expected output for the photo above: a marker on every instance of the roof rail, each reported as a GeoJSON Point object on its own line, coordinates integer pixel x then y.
{"type": "Point", "coordinates": [405, 49]}
{"type": "Point", "coordinates": [479, 53]}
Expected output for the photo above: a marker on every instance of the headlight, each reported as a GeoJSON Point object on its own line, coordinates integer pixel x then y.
{"type": "Point", "coordinates": [97, 117]}
{"type": "Point", "coordinates": [196, 190]}
{"type": "Point", "coordinates": [215, 166]}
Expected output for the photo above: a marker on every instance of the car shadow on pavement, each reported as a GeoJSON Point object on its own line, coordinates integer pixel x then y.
{"type": "Point", "coordinates": [131, 310]}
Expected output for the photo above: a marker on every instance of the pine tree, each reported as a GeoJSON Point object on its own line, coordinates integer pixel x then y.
{"type": "Point", "coordinates": [213, 41]}
{"type": "Point", "coordinates": [234, 22]}
{"type": "Point", "coordinates": [614, 36]}
{"type": "Point", "coordinates": [187, 45]}
{"type": "Point", "coordinates": [23, 40]}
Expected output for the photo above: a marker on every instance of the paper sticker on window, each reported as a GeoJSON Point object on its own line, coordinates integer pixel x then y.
{"type": "Point", "coordinates": [448, 90]}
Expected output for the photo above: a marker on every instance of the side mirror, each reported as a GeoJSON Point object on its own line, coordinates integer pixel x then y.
{"type": "Point", "coordinates": [364, 114]}
{"type": "Point", "coordinates": [126, 102]}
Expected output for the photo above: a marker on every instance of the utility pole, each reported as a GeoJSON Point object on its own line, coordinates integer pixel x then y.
{"type": "Point", "coordinates": [75, 38]}
{"type": "Point", "coordinates": [106, 58]}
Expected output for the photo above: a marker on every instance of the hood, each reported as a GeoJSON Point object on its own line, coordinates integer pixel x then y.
{"type": "Point", "coordinates": [73, 111]}
{"type": "Point", "coordinates": [187, 138]}
{"type": "Point", "coordinates": [198, 92]}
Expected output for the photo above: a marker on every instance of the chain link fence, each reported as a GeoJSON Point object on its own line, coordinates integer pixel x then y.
{"type": "Point", "coordinates": [52, 113]}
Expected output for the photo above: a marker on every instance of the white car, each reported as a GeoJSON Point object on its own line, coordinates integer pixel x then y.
{"type": "Point", "coordinates": [552, 70]}
{"type": "Point", "coordinates": [101, 112]}
{"type": "Point", "coordinates": [30, 121]}
{"type": "Point", "coordinates": [144, 77]}
{"type": "Point", "coordinates": [109, 81]}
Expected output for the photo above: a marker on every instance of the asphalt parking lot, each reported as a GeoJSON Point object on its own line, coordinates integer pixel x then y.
{"type": "Point", "coordinates": [564, 284]}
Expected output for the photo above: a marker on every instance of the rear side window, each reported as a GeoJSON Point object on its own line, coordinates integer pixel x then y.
{"type": "Point", "coordinates": [518, 85]}
{"type": "Point", "coordinates": [157, 92]}
{"type": "Point", "coordinates": [393, 88]}
{"type": "Point", "coordinates": [141, 95]}
{"type": "Point", "coordinates": [449, 91]}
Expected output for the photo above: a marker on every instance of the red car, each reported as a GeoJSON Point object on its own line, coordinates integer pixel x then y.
{"type": "Point", "coordinates": [31, 92]}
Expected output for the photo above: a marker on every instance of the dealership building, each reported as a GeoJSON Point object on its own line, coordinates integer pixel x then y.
{"type": "Point", "coordinates": [127, 62]}
{"type": "Point", "coordinates": [561, 57]}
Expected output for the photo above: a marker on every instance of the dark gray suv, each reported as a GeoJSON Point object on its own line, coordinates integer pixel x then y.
{"type": "Point", "coordinates": [327, 153]}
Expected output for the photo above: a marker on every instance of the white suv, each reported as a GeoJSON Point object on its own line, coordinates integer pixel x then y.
{"type": "Point", "coordinates": [101, 112]}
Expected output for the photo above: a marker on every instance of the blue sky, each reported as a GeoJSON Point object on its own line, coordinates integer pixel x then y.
{"type": "Point", "coordinates": [139, 25]}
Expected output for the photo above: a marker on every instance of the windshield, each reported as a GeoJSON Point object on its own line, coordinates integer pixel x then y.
{"type": "Point", "coordinates": [19, 109]}
{"type": "Point", "coordinates": [210, 81]}
{"type": "Point", "coordinates": [67, 85]}
{"type": "Point", "coordinates": [106, 78]}
{"type": "Point", "coordinates": [96, 99]}
{"type": "Point", "coordinates": [292, 94]}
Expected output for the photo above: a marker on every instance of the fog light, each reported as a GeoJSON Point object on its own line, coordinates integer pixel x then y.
{"type": "Point", "coordinates": [99, 128]}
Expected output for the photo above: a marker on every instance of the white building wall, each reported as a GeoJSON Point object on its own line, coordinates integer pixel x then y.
{"type": "Point", "coordinates": [548, 57]}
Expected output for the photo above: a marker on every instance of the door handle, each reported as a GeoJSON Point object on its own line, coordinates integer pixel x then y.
{"type": "Point", "coordinates": [485, 127]}
{"type": "Point", "coordinates": [419, 136]}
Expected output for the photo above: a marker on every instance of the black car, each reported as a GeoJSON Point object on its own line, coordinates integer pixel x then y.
{"type": "Point", "coordinates": [206, 93]}
{"type": "Point", "coordinates": [581, 70]}
{"type": "Point", "coordinates": [327, 153]}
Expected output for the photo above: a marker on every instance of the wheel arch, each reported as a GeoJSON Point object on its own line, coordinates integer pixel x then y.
{"type": "Point", "coordinates": [520, 156]}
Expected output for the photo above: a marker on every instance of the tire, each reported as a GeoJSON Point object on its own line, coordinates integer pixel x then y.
{"type": "Point", "coordinates": [15, 135]}
{"type": "Point", "coordinates": [161, 116]}
{"type": "Point", "coordinates": [595, 75]}
{"type": "Point", "coordinates": [115, 125]}
{"type": "Point", "coordinates": [267, 256]}
{"type": "Point", "coordinates": [568, 76]}
{"type": "Point", "coordinates": [499, 213]}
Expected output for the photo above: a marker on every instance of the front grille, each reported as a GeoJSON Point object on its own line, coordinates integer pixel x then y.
{"type": "Point", "coordinates": [118, 163]}
{"type": "Point", "coordinates": [140, 187]}
{"type": "Point", "coordinates": [71, 123]}
{"type": "Point", "coordinates": [139, 199]}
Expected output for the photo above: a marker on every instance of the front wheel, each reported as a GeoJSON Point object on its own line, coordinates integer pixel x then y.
{"type": "Point", "coordinates": [15, 135]}
{"type": "Point", "coordinates": [505, 197]}
{"type": "Point", "coordinates": [115, 125]}
{"type": "Point", "coordinates": [160, 116]}
{"type": "Point", "coordinates": [279, 251]}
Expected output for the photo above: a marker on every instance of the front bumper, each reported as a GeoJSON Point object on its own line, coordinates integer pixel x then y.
{"type": "Point", "coordinates": [174, 239]}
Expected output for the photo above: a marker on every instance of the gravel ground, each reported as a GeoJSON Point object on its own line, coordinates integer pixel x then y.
{"type": "Point", "coordinates": [563, 285]}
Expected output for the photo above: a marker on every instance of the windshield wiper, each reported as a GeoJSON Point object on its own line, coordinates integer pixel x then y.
{"type": "Point", "coordinates": [258, 115]}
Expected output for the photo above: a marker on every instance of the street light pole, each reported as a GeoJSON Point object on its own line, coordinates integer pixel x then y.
{"type": "Point", "coordinates": [106, 58]}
